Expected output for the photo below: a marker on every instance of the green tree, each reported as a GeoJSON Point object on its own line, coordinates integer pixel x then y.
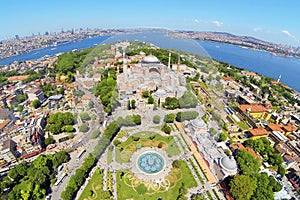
{"type": "Point", "coordinates": [171, 103]}
{"type": "Point", "coordinates": [176, 164]}
{"type": "Point", "coordinates": [85, 116]}
{"type": "Point", "coordinates": [21, 98]}
{"type": "Point", "coordinates": [49, 140]}
{"type": "Point", "coordinates": [145, 94]}
{"type": "Point", "coordinates": [68, 193]}
{"type": "Point", "coordinates": [263, 190]}
{"type": "Point", "coordinates": [36, 103]}
{"type": "Point", "coordinates": [128, 105]}
{"type": "Point", "coordinates": [242, 187]}
{"type": "Point", "coordinates": [68, 129]}
{"type": "Point", "coordinates": [59, 158]}
{"type": "Point", "coordinates": [169, 118]}
{"type": "Point", "coordinates": [281, 170]}
{"type": "Point", "coordinates": [150, 100]}
{"type": "Point", "coordinates": [19, 108]}
{"type": "Point", "coordinates": [42, 161]}
{"type": "Point", "coordinates": [188, 100]}
{"type": "Point", "coordinates": [167, 129]}
{"type": "Point", "coordinates": [38, 192]}
{"type": "Point", "coordinates": [156, 119]}
{"type": "Point", "coordinates": [84, 128]}
{"type": "Point", "coordinates": [276, 187]}
{"type": "Point", "coordinates": [133, 104]}
{"type": "Point", "coordinates": [188, 115]}
{"type": "Point", "coordinates": [222, 136]}
{"type": "Point", "coordinates": [53, 128]}
{"type": "Point", "coordinates": [257, 145]}
{"type": "Point", "coordinates": [248, 164]}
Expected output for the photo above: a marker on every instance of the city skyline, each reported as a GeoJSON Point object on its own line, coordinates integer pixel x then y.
{"type": "Point", "coordinates": [271, 22]}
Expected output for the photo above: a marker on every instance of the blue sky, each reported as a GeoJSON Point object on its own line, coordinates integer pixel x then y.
{"type": "Point", "coordinates": [275, 21]}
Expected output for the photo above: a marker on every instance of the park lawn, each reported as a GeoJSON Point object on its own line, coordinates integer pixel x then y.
{"type": "Point", "coordinates": [96, 185]}
{"type": "Point", "coordinates": [118, 156]}
{"type": "Point", "coordinates": [130, 146]}
{"type": "Point", "coordinates": [127, 192]}
{"type": "Point", "coordinates": [122, 133]}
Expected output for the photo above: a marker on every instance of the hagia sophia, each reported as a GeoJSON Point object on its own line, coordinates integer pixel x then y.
{"type": "Point", "coordinates": [150, 74]}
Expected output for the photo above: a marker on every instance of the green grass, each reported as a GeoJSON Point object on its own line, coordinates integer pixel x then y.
{"type": "Point", "coordinates": [180, 142]}
{"type": "Point", "coordinates": [130, 146]}
{"type": "Point", "coordinates": [242, 125]}
{"type": "Point", "coordinates": [118, 156]}
{"type": "Point", "coordinates": [209, 195]}
{"type": "Point", "coordinates": [122, 133]}
{"type": "Point", "coordinates": [109, 156]}
{"type": "Point", "coordinates": [94, 189]}
{"type": "Point", "coordinates": [216, 194]}
{"type": "Point", "coordinates": [197, 172]}
{"type": "Point", "coordinates": [127, 192]}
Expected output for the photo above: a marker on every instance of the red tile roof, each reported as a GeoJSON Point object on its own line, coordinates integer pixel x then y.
{"type": "Point", "coordinates": [3, 124]}
{"type": "Point", "coordinates": [239, 146]}
{"type": "Point", "coordinates": [18, 78]}
{"type": "Point", "coordinates": [258, 131]}
{"type": "Point", "coordinates": [226, 78]}
{"type": "Point", "coordinates": [251, 74]}
{"type": "Point", "coordinates": [290, 128]}
{"type": "Point", "coordinates": [253, 108]}
{"type": "Point", "coordinates": [275, 127]}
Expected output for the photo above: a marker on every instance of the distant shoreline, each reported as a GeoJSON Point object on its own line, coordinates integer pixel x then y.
{"type": "Point", "coordinates": [243, 41]}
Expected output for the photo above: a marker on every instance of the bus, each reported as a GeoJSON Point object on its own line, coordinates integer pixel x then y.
{"type": "Point", "coordinates": [80, 154]}
{"type": "Point", "coordinates": [60, 179]}
{"type": "Point", "coordinates": [4, 171]}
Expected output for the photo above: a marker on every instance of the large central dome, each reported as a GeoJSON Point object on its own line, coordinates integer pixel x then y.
{"type": "Point", "coordinates": [150, 59]}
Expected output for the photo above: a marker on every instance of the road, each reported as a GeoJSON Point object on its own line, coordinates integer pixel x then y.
{"type": "Point", "coordinates": [87, 142]}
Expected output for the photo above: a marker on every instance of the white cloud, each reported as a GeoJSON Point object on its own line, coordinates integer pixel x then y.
{"type": "Point", "coordinates": [257, 29]}
{"type": "Point", "coordinates": [217, 23]}
{"type": "Point", "coordinates": [196, 21]}
{"type": "Point", "coordinates": [286, 32]}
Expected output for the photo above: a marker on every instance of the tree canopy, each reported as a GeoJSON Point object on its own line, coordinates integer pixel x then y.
{"type": "Point", "coordinates": [242, 187]}
{"type": "Point", "coordinates": [248, 163]}
{"type": "Point", "coordinates": [58, 121]}
{"type": "Point", "coordinates": [32, 181]}
{"type": "Point", "coordinates": [187, 115]}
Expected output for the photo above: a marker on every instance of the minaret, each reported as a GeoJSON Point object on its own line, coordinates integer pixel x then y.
{"type": "Point", "coordinates": [169, 63]}
{"type": "Point", "coordinates": [278, 80]}
{"type": "Point", "coordinates": [178, 65]}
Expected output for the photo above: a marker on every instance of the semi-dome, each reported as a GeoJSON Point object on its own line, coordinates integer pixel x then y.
{"type": "Point", "coordinates": [198, 123]}
{"type": "Point", "coordinates": [150, 59]}
{"type": "Point", "coordinates": [228, 164]}
{"type": "Point", "coordinates": [160, 93]}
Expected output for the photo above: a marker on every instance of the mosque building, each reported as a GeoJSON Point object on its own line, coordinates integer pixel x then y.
{"type": "Point", "coordinates": [150, 74]}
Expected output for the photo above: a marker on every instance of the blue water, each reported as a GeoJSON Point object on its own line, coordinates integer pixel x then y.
{"type": "Point", "coordinates": [51, 51]}
{"type": "Point", "coordinates": [252, 60]}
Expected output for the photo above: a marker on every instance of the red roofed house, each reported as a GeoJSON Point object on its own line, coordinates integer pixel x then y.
{"type": "Point", "coordinates": [289, 129]}
{"type": "Point", "coordinates": [85, 100]}
{"type": "Point", "coordinates": [239, 146]}
{"type": "Point", "coordinates": [274, 127]}
{"type": "Point", "coordinates": [17, 78]}
{"type": "Point", "coordinates": [257, 111]}
{"type": "Point", "coordinates": [258, 133]}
